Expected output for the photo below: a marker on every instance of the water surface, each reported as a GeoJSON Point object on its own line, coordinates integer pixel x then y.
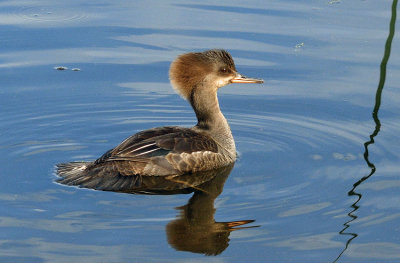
{"type": "Point", "coordinates": [303, 175]}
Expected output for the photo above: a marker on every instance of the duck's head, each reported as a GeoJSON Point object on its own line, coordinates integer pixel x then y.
{"type": "Point", "coordinates": [210, 69]}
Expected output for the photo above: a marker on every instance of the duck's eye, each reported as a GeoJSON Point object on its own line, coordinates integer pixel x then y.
{"type": "Point", "coordinates": [223, 70]}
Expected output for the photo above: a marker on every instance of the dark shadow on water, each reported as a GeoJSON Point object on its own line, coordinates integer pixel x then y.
{"type": "Point", "coordinates": [195, 229]}
{"type": "Point", "coordinates": [245, 10]}
{"type": "Point", "coordinates": [353, 192]}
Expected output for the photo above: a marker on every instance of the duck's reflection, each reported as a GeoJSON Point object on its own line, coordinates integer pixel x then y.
{"type": "Point", "coordinates": [195, 229]}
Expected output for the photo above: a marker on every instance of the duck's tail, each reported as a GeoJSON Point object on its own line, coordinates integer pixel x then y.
{"type": "Point", "coordinates": [98, 177]}
{"type": "Point", "coordinates": [71, 173]}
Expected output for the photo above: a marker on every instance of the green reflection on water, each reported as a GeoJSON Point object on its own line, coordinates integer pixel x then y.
{"type": "Point", "coordinates": [378, 99]}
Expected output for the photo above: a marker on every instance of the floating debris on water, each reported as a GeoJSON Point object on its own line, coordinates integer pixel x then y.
{"type": "Point", "coordinates": [331, 2]}
{"type": "Point", "coordinates": [65, 68]}
{"type": "Point", "coordinates": [60, 68]}
{"type": "Point", "coordinates": [344, 157]}
{"type": "Point", "coordinates": [299, 46]}
{"type": "Point", "coordinates": [316, 157]}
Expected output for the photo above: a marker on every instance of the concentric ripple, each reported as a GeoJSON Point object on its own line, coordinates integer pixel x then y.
{"type": "Point", "coordinates": [49, 14]}
{"type": "Point", "coordinates": [284, 131]}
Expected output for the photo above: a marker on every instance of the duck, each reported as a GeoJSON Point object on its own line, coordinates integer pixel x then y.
{"type": "Point", "coordinates": [195, 228]}
{"type": "Point", "coordinates": [172, 150]}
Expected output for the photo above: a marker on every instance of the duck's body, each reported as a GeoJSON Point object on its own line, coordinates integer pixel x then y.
{"type": "Point", "coordinates": [169, 151]}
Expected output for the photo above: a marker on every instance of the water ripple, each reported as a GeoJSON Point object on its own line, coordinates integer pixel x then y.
{"type": "Point", "coordinates": [287, 130]}
{"type": "Point", "coordinates": [49, 14]}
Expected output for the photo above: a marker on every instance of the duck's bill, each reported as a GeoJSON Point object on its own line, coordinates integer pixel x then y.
{"type": "Point", "coordinates": [243, 79]}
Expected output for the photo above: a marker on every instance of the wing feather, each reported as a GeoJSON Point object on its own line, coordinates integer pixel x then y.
{"type": "Point", "coordinates": [151, 148]}
{"type": "Point", "coordinates": [144, 159]}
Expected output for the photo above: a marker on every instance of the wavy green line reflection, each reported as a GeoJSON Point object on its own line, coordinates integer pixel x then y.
{"type": "Point", "coordinates": [378, 98]}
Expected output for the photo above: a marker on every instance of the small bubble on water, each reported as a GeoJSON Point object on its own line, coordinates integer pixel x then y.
{"type": "Point", "coordinates": [299, 46]}
{"type": "Point", "coordinates": [344, 157]}
{"type": "Point", "coordinates": [316, 157]}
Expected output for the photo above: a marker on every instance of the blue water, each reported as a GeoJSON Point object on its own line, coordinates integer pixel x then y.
{"type": "Point", "coordinates": [317, 171]}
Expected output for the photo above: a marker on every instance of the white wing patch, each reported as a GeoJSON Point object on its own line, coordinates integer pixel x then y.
{"type": "Point", "coordinates": [142, 147]}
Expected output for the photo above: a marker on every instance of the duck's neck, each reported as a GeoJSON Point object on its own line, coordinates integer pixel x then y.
{"type": "Point", "coordinates": [210, 119]}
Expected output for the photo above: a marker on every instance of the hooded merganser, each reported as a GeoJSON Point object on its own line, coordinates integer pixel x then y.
{"type": "Point", "coordinates": [195, 229]}
{"type": "Point", "coordinates": [168, 151]}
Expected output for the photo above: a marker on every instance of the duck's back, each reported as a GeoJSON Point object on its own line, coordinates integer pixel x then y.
{"type": "Point", "coordinates": [161, 151]}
